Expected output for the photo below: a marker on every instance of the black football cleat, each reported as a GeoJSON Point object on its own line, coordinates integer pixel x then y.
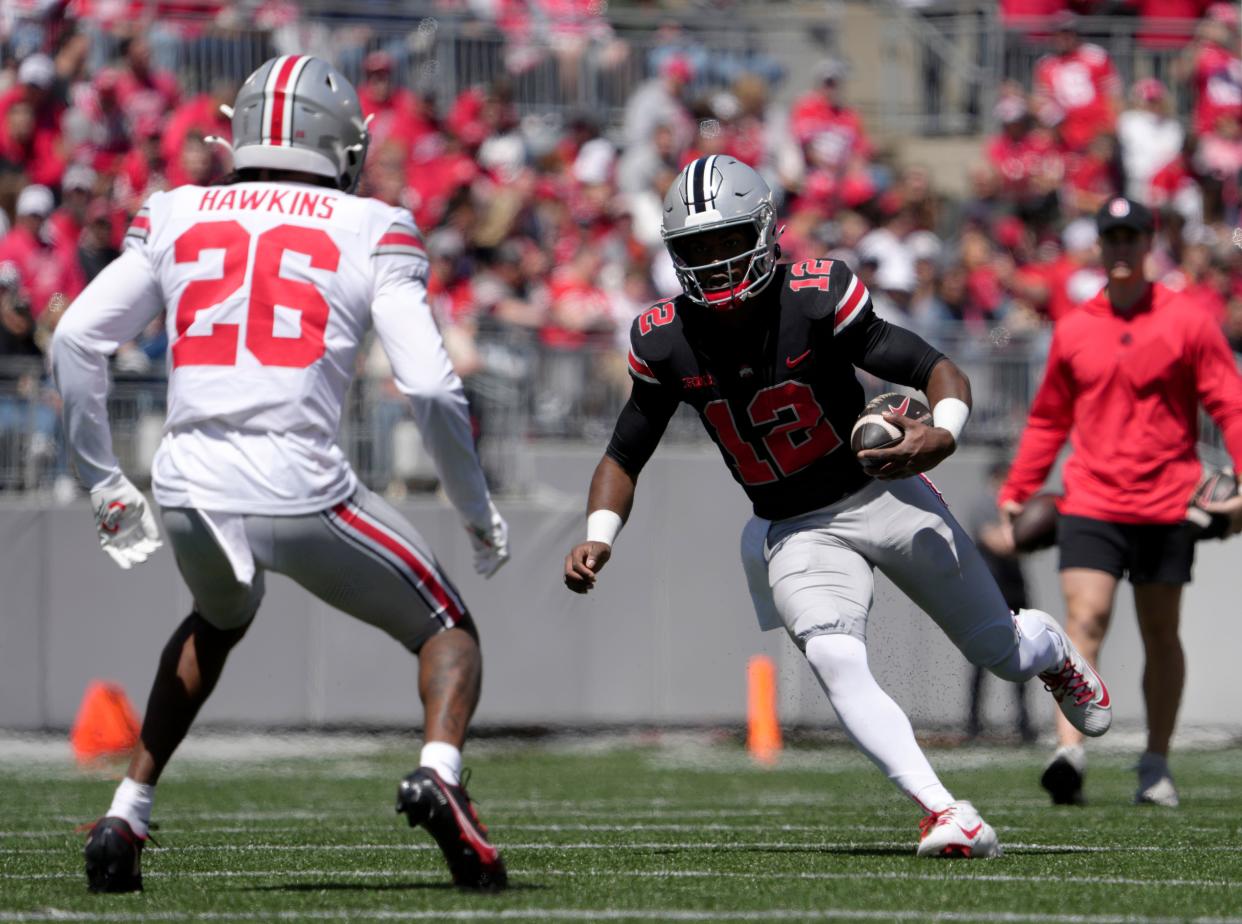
{"type": "Point", "coordinates": [113, 852]}
{"type": "Point", "coordinates": [1063, 781]}
{"type": "Point", "coordinates": [446, 812]}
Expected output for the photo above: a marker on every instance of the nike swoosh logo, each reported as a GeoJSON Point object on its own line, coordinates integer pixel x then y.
{"type": "Point", "coordinates": [1104, 700]}
{"type": "Point", "coordinates": [971, 832]}
{"type": "Point", "coordinates": [792, 361]}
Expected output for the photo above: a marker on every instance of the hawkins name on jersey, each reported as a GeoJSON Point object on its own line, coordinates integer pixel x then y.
{"type": "Point", "coordinates": [778, 397]}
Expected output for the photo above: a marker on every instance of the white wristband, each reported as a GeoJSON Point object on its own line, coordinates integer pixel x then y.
{"type": "Point", "coordinates": [603, 526]}
{"type": "Point", "coordinates": [951, 414]}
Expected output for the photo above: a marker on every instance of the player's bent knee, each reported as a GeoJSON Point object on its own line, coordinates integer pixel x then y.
{"type": "Point", "coordinates": [463, 625]}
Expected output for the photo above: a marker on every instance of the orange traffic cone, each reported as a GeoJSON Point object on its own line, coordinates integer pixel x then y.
{"type": "Point", "coordinates": [106, 724]}
{"type": "Point", "coordinates": [763, 738]}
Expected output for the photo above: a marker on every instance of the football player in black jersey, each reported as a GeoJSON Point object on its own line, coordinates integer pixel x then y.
{"type": "Point", "coordinates": [765, 353]}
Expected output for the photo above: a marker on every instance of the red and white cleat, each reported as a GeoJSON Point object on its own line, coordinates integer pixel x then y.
{"type": "Point", "coordinates": [958, 831]}
{"type": "Point", "coordinates": [1076, 687]}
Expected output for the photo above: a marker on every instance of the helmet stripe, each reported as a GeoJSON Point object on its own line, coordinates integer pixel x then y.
{"type": "Point", "coordinates": [265, 121]}
{"type": "Point", "coordinates": [696, 184]}
{"type": "Point", "coordinates": [709, 197]}
{"type": "Point", "coordinates": [282, 98]}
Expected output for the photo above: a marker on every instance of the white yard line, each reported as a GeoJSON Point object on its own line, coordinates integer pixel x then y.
{"type": "Point", "coordinates": [958, 875]}
{"type": "Point", "coordinates": [613, 914]}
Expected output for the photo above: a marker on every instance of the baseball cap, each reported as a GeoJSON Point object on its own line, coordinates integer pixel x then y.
{"type": "Point", "coordinates": [831, 69]}
{"type": "Point", "coordinates": [37, 71]}
{"type": "Point", "coordinates": [679, 67]}
{"type": "Point", "coordinates": [1223, 12]}
{"type": "Point", "coordinates": [35, 200]}
{"type": "Point", "coordinates": [1065, 21]}
{"type": "Point", "coordinates": [10, 277]}
{"type": "Point", "coordinates": [1150, 90]}
{"type": "Point", "coordinates": [1010, 109]}
{"type": "Point", "coordinates": [1120, 212]}
{"type": "Point", "coordinates": [106, 80]}
{"type": "Point", "coordinates": [377, 62]}
{"type": "Point", "coordinates": [80, 177]}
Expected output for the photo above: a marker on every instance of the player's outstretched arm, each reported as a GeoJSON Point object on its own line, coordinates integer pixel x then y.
{"type": "Point", "coordinates": [608, 507]}
{"type": "Point", "coordinates": [925, 445]}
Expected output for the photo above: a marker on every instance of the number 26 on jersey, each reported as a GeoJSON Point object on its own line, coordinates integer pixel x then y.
{"type": "Point", "coordinates": [219, 347]}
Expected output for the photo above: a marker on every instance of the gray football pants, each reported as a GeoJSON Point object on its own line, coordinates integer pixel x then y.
{"type": "Point", "coordinates": [360, 556]}
{"type": "Point", "coordinates": [812, 574]}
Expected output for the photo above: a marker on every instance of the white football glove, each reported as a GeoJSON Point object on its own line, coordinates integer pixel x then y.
{"type": "Point", "coordinates": [126, 525]}
{"type": "Point", "coordinates": [491, 543]}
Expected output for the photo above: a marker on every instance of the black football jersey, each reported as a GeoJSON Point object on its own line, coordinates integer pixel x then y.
{"type": "Point", "coordinates": [777, 394]}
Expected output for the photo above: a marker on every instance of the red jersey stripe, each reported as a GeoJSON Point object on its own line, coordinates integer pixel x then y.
{"type": "Point", "coordinates": [394, 237]}
{"type": "Point", "coordinates": [640, 368]}
{"type": "Point", "coordinates": [846, 311]}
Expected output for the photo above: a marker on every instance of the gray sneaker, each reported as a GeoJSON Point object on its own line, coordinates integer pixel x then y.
{"type": "Point", "coordinates": [1155, 782]}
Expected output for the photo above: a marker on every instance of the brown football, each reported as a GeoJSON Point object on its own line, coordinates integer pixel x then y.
{"type": "Point", "coordinates": [1035, 527]}
{"type": "Point", "coordinates": [872, 431]}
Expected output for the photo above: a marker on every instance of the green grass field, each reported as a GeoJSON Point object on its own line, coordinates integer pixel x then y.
{"type": "Point", "coordinates": [679, 829]}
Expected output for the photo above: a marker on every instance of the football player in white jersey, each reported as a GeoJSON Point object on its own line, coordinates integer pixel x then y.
{"type": "Point", "coordinates": [268, 283]}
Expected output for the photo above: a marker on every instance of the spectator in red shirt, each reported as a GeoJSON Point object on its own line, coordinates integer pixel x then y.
{"type": "Point", "coordinates": [1076, 88]}
{"type": "Point", "coordinates": [200, 116]}
{"type": "Point", "coordinates": [831, 134]}
{"type": "Point", "coordinates": [1092, 177]}
{"type": "Point", "coordinates": [1214, 68]}
{"type": "Point", "coordinates": [99, 127]}
{"type": "Point", "coordinates": [32, 138]}
{"type": "Point", "coordinates": [142, 89]}
{"type": "Point", "coordinates": [1199, 277]}
{"type": "Point", "coordinates": [66, 223]}
{"type": "Point", "coordinates": [49, 274]}
{"type": "Point", "coordinates": [396, 115]}
{"type": "Point", "coordinates": [1126, 374]}
{"type": "Point", "coordinates": [1025, 157]}
{"type": "Point", "coordinates": [143, 169]}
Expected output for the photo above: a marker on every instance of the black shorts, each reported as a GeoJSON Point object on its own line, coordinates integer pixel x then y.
{"type": "Point", "coordinates": [1148, 553]}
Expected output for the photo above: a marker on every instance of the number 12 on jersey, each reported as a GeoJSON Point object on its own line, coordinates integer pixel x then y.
{"type": "Point", "coordinates": [267, 289]}
{"type": "Point", "coordinates": [801, 435]}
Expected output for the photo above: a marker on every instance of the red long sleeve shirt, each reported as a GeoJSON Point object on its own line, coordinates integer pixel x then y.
{"type": "Point", "coordinates": [1126, 390]}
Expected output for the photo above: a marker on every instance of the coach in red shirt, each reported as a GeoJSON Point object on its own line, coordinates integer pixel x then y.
{"type": "Point", "coordinates": [1126, 374]}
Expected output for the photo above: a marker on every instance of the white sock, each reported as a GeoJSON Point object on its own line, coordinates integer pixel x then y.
{"type": "Point", "coordinates": [133, 803]}
{"type": "Point", "coordinates": [1039, 649]}
{"type": "Point", "coordinates": [873, 721]}
{"type": "Point", "coordinates": [1076, 754]}
{"type": "Point", "coordinates": [444, 759]}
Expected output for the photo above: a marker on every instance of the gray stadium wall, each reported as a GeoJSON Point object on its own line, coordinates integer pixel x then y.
{"type": "Point", "coordinates": [664, 639]}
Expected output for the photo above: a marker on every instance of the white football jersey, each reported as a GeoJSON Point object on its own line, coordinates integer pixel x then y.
{"type": "Point", "coordinates": [268, 290]}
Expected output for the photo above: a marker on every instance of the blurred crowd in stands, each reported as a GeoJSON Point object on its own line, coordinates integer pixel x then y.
{"type": "Point", "coordinates": [543, 229]}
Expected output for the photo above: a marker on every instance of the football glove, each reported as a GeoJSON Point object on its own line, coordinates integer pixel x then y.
{"type": "Point", "coordinates": [491, 543]}
{"type": "Point", "coordinates": [126, 525]}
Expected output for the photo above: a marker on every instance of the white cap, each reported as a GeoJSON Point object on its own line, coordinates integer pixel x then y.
{"type": "Point", "coordinates": [1079, 234]}
{"type": "Point", "coordinates": [37, 70]}
{"type": "Point", "coordinates": [925, 245]}
{"type": "Point", "coordinates": [593, 165]}
{"type": "Point", "coordinates": [78, 176]}
{"type": "Point", "coordinates": [35, 200]}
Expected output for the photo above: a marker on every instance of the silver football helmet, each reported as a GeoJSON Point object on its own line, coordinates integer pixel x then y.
{"type": "Point", "coordinates": [710, 194]}
{"type": "Point", "coordinates": [297, 112]}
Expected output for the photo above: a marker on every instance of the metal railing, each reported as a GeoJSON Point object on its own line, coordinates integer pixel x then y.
{"type": "Point", "coordinates": [550, 69]}
{"type": "Point", "coordinates": [523, 395]}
